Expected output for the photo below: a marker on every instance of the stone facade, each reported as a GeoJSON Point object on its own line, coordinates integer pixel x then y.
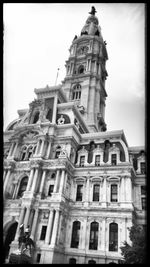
{"type": "Point", "coordinates": [78, 186]}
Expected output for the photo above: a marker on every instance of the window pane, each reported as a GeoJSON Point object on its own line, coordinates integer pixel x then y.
{"type": "Point", "coordinates": [113, 159]}
{"type": "Point", "coordinates": [43, 232]}
{"type": "Point", "coordinates": [114, 193]}
{"type": "Point", "coordinates": [143, 169]}
{"type": "Point", "coordinates": [143, 190]}
{"type": "Point", "coordinates": [97, 160]}
{"type": "Point", "coordinates": [93, 236]}
{"type": "Point", "coordinates": [79, 192]}
{"type": "Point", "coordinates": [75, 234]}
{"type": "Point", "coordinates": [143, 199]}
{"type": "Point", "coordinates": [96, 192]}
{"type": "Point", "coordinates": [82, 160]}
{"type": "Point", "coordinates": [113, 237]}
{"type": "Point", "coordinates": [51, 188]}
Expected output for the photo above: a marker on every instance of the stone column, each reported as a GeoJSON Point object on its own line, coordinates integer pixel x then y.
{"type": "Point", "coordinates": [55, 228]}
{"type": "Point", "coordinates": [37, 147]}
{"type": "Point", "coordinates": [49, 227]}
{"type": "Point", "coordinates": [15, 148]}
{"type": "Point", "coordinates": [4, 175]}
{"type": "Point", "coordinates": [42, 182]}
{"type": "Point", "coordinates": [26, 217]}
{"type": "Point", "coordinates": [41, 149]}
{"type": "Point", "coordinates": [56, 182]}
{"type": "Point", "coordinates": [48, 150]}
{"type": "Point", "coordinates": [15, 190]}
{"type": "Point", "coordinates": [104, 190]}
{"type": "Point", "coordinates": [30, 180]}
{"type": "Point", "coordinates": [87, 189]}
{"type": "Point", "coordinates": [6, 180]}
{"type": "Point", "coordinates": [62, 181]}
{"type": "Point", "coordinates": [122, 190]}
{"type": "Point", "coordinates": [54, 110]}
{"type": "Point", "coordinates": [36, 214]}
{"type": "Point", "coordinates": [11, 150]}
{"type": "Point", "coordinates": [128, 188]}
{"type": "Point", "coordinates": [22, 213]}
{"type": "Point", "coordinates": [34, 180]}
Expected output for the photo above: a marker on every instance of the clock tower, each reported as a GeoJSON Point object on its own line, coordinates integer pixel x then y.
{"type": "Point", "coordinates": [86, 74]}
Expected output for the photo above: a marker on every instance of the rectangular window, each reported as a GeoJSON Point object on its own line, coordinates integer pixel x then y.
{"type": "Point", "coordinates": [143, 200]}
{"type": "Point", "coordinates": [38, 258]}
{"type": "Point", "coordinates": [143, 169]}
{"type": "Point", "coordinates": [43, 232]}
{"type": "Point", "coordinates": [79, 192]}
{"type": "Point", "coordinates": [97, 160]}
{"type": "Point", "coordinates": [114, 193]}
{"type": "Point", "coordinates": [143, 190]}
{"type": "Point", "coordinates": [96, 188]}
{"type": "Point", "coordinates": [82, 161]}
{"type": "Point", "coordinates": [51, 188]}
{"type": "Point", "coordinates": [113, 159]}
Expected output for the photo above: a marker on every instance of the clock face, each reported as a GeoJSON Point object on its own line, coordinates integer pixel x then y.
{"type": "Point", "coordinates": [83, 50]}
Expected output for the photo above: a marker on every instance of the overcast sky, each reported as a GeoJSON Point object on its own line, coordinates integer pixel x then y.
{"type": "Point", "coordinates": [37, 38]}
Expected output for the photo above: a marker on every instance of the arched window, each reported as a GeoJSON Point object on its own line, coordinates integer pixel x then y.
{"type": "Point", "coordinates": [30, 152]}
{"type": "Point", "coordinates": [75, 234]}
{"type": "Point", "coordinates": [96, 188]}
{"type": "Point", "coordinates": [81, 69]}
{"type": "Point", "coordinates": [91, 262]}
{"type": "Point", "coordinates": [36, 117]}
{"type": "Point", "coordinates": [23, 153]}
{"type": "Point", "coordinates": [114, 194]}
{"type": "Point", "coordinates": [113, 237]}
{"type": "Point", "coordinates": [22, 186]}
{"type": "Point", "coordinates": [72, 261]}
{"type": "Point", "coordinates": [58, 150]}
{"type": "Point", "coordinates": [76, 94]}
{"type": "Point", "coordinates": [93, 236]}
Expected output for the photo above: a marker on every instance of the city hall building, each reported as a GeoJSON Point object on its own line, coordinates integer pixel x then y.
{"type": "Point", "coordinates": [78, 186]}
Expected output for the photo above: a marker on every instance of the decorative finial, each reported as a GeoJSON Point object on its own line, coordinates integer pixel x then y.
{"type": "Point", "coordinates": [93, 10]}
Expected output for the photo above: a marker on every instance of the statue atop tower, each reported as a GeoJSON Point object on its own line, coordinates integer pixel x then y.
{"type": "Point", "coordinates": [93, 11]}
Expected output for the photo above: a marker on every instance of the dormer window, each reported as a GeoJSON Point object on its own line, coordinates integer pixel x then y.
{"type": "Point", "coordinates": [76, 95]}
{"type": "Point", "coordinates": [97, 160]}
{"type": "Point", "coordinates": [82, 161]}
{"type": "Point", "coordinates": [113, 159]}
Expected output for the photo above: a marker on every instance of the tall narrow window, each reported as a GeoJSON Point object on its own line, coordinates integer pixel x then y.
{"type": "Point", "coordinates": [96, 188]}
{"type": "Point", "coordinates": [58, 150]}
{"type": "Point", "coordinates": [43, 232]}
{"type": "Point", "coordinates": [79, 192]}
{"type": "Point", "coordinates": [113, 237]}
{"type": "Point", "coordinates": [143, 169]}
{"type": "Point", "coordinates": [93, 236]}
{"type": "Point", "coordinates": [30, 152]}
{"type": "Point", "coordinates": [82, 161]}
{"type": "Point", "coordinates": [97, 160]}
{"type": "Point", "coordinates": [113, 159]}
{"type": "Point", "coordinates": [75, 234]}
{"type": "Point", "coordinates": [22, 187]}
{"type": "Point", "coordinates": [51, 188]}
{"type": "Point", "coordinates": [114, 195]}
{"type": "Point", "coordinates": [23, 153]}
{"type": "Point", "coordinates": [76, 95]}
{"type": "Point", "coordinates": [49, 115]}
{"type": "Point", "coordinates": [143, 197]}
